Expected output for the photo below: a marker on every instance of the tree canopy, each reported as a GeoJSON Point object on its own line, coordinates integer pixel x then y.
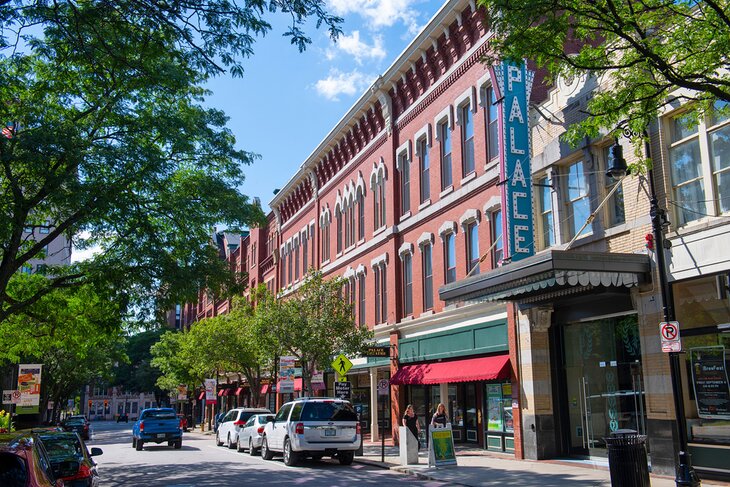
{"type": "Point", "coordinates": [108, 143]}
{"type": "Point", "coordinates": [647, 54]}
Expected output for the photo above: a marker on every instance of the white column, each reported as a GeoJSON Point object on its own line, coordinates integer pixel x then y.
{"type": "Point", "coordinates": [374, 430]}
{"type": "Point", "coordinates": [444, 391]}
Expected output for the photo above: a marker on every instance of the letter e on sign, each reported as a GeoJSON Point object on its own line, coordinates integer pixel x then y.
{"type": "Point", "coordinates": [669, 332]}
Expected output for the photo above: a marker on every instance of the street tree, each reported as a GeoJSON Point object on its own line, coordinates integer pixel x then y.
{"type": "Point", "coordinates": [107, 141]}
{"type": "Point", "coordinates": [314, 324]}
{"type": "Point", "coordinates": [646, 55]}
{"type": "Point", "coordinates": [75, 333]}
{"type": "Point", "coordinates": [135, 374]}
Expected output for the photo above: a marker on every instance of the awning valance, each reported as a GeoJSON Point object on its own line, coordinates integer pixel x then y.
{"type": "Point", "coordinates": [550, 274]}
{"type": "Point", "coordinates": [239, 391]}
{"type": "Point", "coordinates": [465, 370]}
{"type": "Point", "coordinates": [201, 396]}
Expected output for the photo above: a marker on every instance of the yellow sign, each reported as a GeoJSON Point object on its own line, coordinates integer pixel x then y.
{"type": "Point", "coordinates": [341, 365]}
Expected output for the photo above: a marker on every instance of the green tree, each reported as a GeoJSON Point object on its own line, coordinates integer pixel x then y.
{"type": "Point", "coordinates": [136, 374]}
{"type": "Point", "coordinates": [110, 143]}
{"type": "Point", "coordinates": [640, 52]}
{"type": "Point", "coordinates": [314, 324]}
{"type": "Point", "coordinates": [75, 333]}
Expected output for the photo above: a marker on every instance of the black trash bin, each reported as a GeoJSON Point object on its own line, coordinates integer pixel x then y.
{"type": "Point", "coordinates": [627, 459]}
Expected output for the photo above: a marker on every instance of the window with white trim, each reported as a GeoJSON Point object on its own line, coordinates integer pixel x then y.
{"type": "Point", "coordinates": [305, 242]}
{"type": "Point", "coordinates": [379, 204]}
{"type": "Point", "coordinates": [296, 261]}
{"type": "Point", "coordinates": [450, 257]}
{"type": "Point", "coordinates": [426, 262]}
{"type": "Point", "coordinates": [491, 114]}
{"type": "Point", "coordinates": [547, 225]}
{"type": "Point", "coordinates": [361, 286]}
{"type": "Point", "coordinates": [444, 132]}
{"type": "Point", "coordinates": [407, 268]}
{"type": "Point", "coordinates": [467, 139]}
{"type": "Point", "coordinates": [424, 169]}
{"type": "Point", "coordinates": [405, 183]}
{"type": "Point", "coordinates": [360, 216]}
{"type": "Point", "coordinates": [338, 222]}
{"type": "Point", "coordinates": [699, 156]}
{"type": "Point", "coordinates": [495, 222]}
{"type": "Point", "coordinates": [381, 300]}
{"type": "Point", "coordinates": [577, 200]}
{"type": "Point", "coordinates": [615, 204]}
{"type": "Point", "coordinates": [325, 237]}
{"type": "Point", "coordinates": [351, 225]}
{"type": "Point", "coordinates": [472, 248]}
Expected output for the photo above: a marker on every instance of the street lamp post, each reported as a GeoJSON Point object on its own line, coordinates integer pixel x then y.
{"type": "Point", "coordinates": [685, 474]}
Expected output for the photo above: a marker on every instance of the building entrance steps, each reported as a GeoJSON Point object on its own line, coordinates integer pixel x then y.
{"type": "Point", "coordinates": [478, 467]}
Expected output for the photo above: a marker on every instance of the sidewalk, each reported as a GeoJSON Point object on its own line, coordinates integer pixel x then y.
{"type": "Point", "coordinates": [477, 467]}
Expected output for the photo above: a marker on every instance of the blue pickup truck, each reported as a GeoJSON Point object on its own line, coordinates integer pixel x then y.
{"type": "Point", "coordinates": [157, 425]}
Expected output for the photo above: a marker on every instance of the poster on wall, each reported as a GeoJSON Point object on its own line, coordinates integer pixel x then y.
{"type": "Point", "coordinates": [710, 380]}
{"type": "Point", "coordinates": [494, 407]}
{"type": "Point", "coordinates": [29, 386]}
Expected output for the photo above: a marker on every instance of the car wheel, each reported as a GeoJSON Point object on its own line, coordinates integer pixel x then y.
{"type": "Point", "coordinates": [266, 454]}
{"type": "Point", "coordinates": [229, 444]}
{"type": "Point", "coordinates": [178, 444]}
{"type": "Point", "coordinates": [346, 457]}
{"type": "Point", "coordinates": [251, 449]}
{"type": "Point", "coordinates": [170, 443]}
{"type": "Point", "coordinates": [139, 445]}
{"type": "Point", "coordinates": [218, 441]}
{"type": "Point", "coordinates": [239, 445]}
{"type": "Point", "coordinates": [290, 457]}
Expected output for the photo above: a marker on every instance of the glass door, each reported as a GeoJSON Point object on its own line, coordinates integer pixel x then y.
{"type": "Point", "coordinates": [604, 381]}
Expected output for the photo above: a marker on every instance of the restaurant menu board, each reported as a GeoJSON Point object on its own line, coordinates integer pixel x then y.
{"type": "Point", "coordinates": [710, 379]}
{"type": "Point", "coordinates": [441, 447]}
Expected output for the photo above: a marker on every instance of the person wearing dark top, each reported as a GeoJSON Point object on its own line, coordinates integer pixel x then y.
{"type": "Point", "coordinates": [410, 421]}
{"type": "Point", "coordinates": [439, 418]}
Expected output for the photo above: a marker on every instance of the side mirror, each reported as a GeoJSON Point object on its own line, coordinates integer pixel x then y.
{"type": "Point", "coordinates": [95, 452]}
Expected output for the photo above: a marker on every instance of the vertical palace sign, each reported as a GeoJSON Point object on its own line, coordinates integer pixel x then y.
{"type": "Point", "coordinates": [513, 86]}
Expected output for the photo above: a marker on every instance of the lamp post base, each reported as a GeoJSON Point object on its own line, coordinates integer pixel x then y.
{"type": "Point", "coordinates": [686, 476]}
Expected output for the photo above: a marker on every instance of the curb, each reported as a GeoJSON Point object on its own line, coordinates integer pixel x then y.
{"type": "Point", "coordinates": [407, 470]}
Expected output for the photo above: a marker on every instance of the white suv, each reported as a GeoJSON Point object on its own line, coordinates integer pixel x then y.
{"type": "Point", "coordinates": [232, 424]}
{"type": "Point", "coordinates": [314, 427]}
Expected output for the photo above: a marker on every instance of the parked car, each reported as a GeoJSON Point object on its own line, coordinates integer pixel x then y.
{"type": "Point", "coordinates": [24, 462]}
{"type": "Point", "coordinates": [79, 424]}
{"type": "Point", "coordinates": [232, 423]}
{"type": "Point", "coordinates": [313, 427]}
{"type": "Point", "coordinates": [157, 425]}
{"type": "Point", "coordinates": [249, 438]}
{"type": "Point", "coordinates": [123, 417]}
{"type": "Point", "coordinates": [69, 447]}
{"type": "Point", "coordinates": [217, 420]}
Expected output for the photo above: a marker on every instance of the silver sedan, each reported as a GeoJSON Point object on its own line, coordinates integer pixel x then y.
{"type": "Point", "coordinates": [250, 436]}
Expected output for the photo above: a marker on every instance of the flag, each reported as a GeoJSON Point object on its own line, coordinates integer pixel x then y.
{"type": "Point", "coordinates": [8, 131]}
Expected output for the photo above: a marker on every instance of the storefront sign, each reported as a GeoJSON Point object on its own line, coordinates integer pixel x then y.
{"type": "Point", "coordinates": [343, 390]}
{"type": "Point", "coordinates": [669, 331]}
{"type": "Point", "coordinates": [441, 447]}
{"type": "Point", "coordinates": [29, 386]}
{"type": "Point", "coordinates": [710, 380]}
{"type": "Point", "coordinates": [210, 391]}
{"type": "Point", "coordinates": [377, 351]}
{"type": "Point", "coordinates": [514, 83]}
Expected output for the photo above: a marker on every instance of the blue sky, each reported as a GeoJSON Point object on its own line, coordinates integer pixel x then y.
{"type": "Point", "coordinates": [287, 101]}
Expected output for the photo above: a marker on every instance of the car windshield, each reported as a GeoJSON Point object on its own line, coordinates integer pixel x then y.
{"type": "Point", "coordinates": [62, 447]}
{"type": "Point", "coordinates": [328, 411]}
{"type": "Point", "coordinates": [160, 414]}
{"type": "Point", "coordinates": [75, 422]}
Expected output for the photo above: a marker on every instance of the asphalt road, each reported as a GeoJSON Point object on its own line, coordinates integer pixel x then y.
{"type": "Point", "coordinates": [200, 464]}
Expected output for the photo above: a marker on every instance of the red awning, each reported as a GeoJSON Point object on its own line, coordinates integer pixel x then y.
{"type": "Point", "coordinates": [265, 388]}
{"type": "Point", "coordinates": [239, 391]}
{"type": "Point", "coordinates": [201, 396]}
{"type": "Point", "coordinates": [221, 392]}
{"type": "Point", "coordinates": [466, 370]}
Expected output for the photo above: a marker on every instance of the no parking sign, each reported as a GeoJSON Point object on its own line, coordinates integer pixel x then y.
{"type": "Point", "coordinates": [669, 331]}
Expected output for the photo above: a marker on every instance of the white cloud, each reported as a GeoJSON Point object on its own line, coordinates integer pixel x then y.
{"type": "Point", "coordinates": [339, 83]}
{"type": "Point", "coordinates": [360, 50]}
{"type": "Point", "coordinates": [379, 13]}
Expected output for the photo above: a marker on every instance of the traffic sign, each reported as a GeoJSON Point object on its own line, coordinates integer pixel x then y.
{"type": "Point", "coordinates": [341, 364]}
{"type": "Point", "coordinates": [383, 386]}
{"type": "Point", "coordinates": [669, 332]}
{"type": "Point", "coordinates": [343, 390]}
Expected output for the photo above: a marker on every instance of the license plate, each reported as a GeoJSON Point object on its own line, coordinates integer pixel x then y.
{"type": "Point", "coordinates": [161, 435]}
{"type": "Point", "coordinates": [330, 432]}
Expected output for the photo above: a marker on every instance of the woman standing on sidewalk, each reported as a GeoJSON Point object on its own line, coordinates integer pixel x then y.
{"type": "Point", "coordinates": [410, 421]}
{"type": "Point", "coordinates": [439, 418]}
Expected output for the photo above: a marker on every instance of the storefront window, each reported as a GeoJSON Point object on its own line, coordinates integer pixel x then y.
{"type": "Point", "coordinates": [499, 407]}
{"type": "Point", "coordinates": [472, 415]}
{"type": "Point", "coordinates": [703, 310]}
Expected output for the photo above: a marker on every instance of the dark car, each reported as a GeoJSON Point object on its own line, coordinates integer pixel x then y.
{"type": "Point", "coordinates": [24, 462]}
{"type": "Point", "coordinates": [78, 425]}
{"type": "Point", "coordinates": [64, 448]}
{"type": "Point", "coordinates": [123, 417]}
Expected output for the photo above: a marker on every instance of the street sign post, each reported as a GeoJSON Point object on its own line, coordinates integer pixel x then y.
{"type": "Point", "coordinates": [343, 390]}
{"type": "Point", "coordinates": [383, 390]}
{"type": "Point", "coordinates": [669, 332]}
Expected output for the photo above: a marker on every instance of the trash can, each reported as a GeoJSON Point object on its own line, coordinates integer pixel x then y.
{"type": "Point", "coordinates": [627, 459]}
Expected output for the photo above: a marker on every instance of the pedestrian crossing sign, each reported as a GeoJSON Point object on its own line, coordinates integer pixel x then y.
{"type": "Point", "coordinates": [341, 364]}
